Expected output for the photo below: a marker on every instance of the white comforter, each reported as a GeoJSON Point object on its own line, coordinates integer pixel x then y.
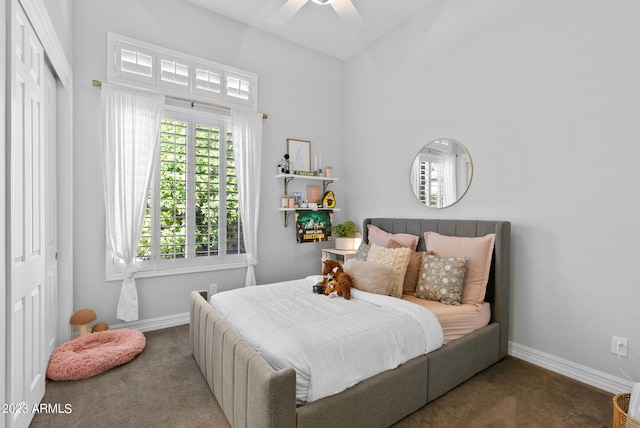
{"type": "Point", "coordinates": [332, 343]}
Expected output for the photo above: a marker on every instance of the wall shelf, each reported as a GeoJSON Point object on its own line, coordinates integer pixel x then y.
{"type": "Point", "coordinates": [287, 178]}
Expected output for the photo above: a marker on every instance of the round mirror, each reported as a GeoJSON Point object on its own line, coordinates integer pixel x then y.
{"type": "Point", "coordinates": [441, 173]}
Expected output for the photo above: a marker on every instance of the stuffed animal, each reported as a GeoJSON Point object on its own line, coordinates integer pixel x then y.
{"type": "Point", "coordinates": [336, 281]}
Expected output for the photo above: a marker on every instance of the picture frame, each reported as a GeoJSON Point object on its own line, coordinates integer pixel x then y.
{"type": "Point", "coordinates": [299, 154]}
{"type": "Point", "coordinates": [313, 226]}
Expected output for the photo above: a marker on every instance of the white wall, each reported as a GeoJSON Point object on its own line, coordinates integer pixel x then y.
{"type": "Point", "coordinates": [302, 91]}
{"type": "Point", "coordinates": [60, 12]}
{"type": "Point", "coordinates": [545, 97]}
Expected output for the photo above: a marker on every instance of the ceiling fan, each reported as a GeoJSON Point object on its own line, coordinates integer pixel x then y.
{"type": "Point", "coordinates": [344, 8]}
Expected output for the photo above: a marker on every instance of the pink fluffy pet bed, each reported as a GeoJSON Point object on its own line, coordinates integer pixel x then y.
{"type": "Point", "coordinates": [94, 353]}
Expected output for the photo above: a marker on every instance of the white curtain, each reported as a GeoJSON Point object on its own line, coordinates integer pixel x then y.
{"type": "Point", "coordinates": [131, 130]}
{"type": "Point", "coordinates": [449, 179]}
{"type": "Point", "coordinates": [247, 151]}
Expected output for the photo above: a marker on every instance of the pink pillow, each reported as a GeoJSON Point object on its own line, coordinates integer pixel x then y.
{"type": "Point", "coordinates": [381, 238]}
{"type": "Point", "coordinates": [479, 251]}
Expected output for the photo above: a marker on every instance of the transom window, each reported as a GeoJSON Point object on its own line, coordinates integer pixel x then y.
{"type": "Point", "coordinates": [134, 62]}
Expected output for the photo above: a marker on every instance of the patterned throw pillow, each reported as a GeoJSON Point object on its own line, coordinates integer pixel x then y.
{"type": "Point", "coordinates": [396, 258]}
{"type": "Point", "coordinates": [362, 252]}
{"type": "Point", "coordinates": [413, 268]}
{"type": "Point", "coordinates": [441, 278]}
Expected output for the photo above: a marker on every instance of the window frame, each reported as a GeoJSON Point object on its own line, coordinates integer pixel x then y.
{"type": "Point", "coordinates": [190, 263]}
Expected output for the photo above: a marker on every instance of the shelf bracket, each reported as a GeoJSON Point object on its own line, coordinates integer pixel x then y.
{"type": "Point", "coordinates": [325, 183]}
{"type": "Point", "coordinates": [286, 184]}
{"type": "Point", "coordinates": [286, 218]}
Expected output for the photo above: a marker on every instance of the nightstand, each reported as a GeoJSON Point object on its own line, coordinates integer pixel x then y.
{"type": "Point", "coordinates": [341, 256]}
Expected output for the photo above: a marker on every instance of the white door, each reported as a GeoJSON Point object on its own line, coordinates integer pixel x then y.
{"type": "Point", "coordinates": [51, 217]}
{"type": "Point", "coordinates": [26, 362]}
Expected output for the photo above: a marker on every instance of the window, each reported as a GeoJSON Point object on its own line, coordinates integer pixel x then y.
{"type": "Point", "coordinates": [192, 220]}
{"type": "Point", "coordinates": [430, 190]}
{"type": "Point", "coordinates": [137, 63]}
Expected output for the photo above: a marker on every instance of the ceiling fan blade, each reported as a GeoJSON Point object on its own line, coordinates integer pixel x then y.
{"type": "Point", "coordinates": [286, 12]}
{"type": "Point", "coordinates": [348, 12]}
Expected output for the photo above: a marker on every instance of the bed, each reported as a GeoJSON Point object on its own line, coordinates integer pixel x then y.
{"type": "Point", "coordinates": [252, 393]}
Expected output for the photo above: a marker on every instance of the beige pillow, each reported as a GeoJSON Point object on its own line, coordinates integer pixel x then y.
{"type": "Point", "coordinates": [396, 258]}
{"type": "Point", "coordinates": [371, 277]}
{"type": "Point", "coordinates": [379, 237]}
{"type": "Point", "coordinates": [479, 250]}
{"type": "Point", "coordinates": [413, 268]}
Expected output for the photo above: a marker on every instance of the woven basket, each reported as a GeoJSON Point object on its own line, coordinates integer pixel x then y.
{"type": "Point", "coordinates": [620, 417]}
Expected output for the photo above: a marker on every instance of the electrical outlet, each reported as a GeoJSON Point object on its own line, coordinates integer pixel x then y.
{"type": "Point", "coordinates": [619, 345]}
{"type": "Point", "coordinates": [213, 289]}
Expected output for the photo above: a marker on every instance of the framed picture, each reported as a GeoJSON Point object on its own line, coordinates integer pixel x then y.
{"type": "Point", "coordinates": [313, 226]}
{"type": "Point", "coordinates": [299, 154]}
{"type": "Point", "coordinates": [313, 193]}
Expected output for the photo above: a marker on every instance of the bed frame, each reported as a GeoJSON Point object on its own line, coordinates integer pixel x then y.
{"type": "Point", "coordinates": [252, 394]}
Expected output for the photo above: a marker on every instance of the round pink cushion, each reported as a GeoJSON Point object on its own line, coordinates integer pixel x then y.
{"type": "Point", "coordinates": [94, 353]}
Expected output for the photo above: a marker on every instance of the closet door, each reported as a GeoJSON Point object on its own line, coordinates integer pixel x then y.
{"type": "Point", "coordinates": [51, 213]}
{"type": "Point", "coordinates": [26, 362]}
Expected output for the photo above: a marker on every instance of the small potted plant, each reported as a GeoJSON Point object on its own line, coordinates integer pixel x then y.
{"type": "Point", "coordinates": [345, 235]}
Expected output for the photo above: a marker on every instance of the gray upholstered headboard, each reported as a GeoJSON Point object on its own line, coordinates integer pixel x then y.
{"type": "Point", "coordinates": [498, 285]}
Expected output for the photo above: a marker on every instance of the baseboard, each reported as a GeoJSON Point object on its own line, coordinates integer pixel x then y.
{"type": "Point", "coordinates": [572, 370]}
{"type": "Point", "coordinates": [155, 323]}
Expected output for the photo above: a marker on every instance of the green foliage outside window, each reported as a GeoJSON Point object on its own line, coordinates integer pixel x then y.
{"type": "Point", "coordinates": [174, 180]}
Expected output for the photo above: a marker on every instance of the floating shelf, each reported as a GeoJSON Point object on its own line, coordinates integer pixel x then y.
{"type": "Point", "coordinates": [287, 179]}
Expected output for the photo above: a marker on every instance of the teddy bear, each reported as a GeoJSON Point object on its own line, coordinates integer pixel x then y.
{"type": "Point", "coordinates": [336, 281]}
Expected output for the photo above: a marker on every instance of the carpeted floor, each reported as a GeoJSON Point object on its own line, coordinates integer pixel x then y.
{"type": "Point", "coordinates": [163, 387]}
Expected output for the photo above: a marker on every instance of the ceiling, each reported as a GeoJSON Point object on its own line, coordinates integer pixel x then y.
{"type": "Point", "coordinates": [319, 27]}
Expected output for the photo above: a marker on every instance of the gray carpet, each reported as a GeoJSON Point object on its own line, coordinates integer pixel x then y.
{"type": "Point", "coordinates": [163, 387]}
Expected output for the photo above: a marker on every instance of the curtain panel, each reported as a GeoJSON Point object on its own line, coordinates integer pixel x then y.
{"type": "Point", "coordinates": [131, 139]}
{"type": "Point", "coordinates": [247, 150]}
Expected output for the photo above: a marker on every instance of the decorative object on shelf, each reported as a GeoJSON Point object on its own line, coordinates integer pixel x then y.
{"type": "Point", "coordinates": [297, 196]}
{"type": "Point", "coordinates": [317, 164]}
{"type": "Point", "coordinates": [328, 171]}
{"type": "Point", "coordinates": [284, 201]}
{"type": "Point", "coordinates": [299, 154]}
{"type": "Point", "coordinates": [284, 165]}
{"type": "Point", "coordinates": [304, 173]}
{"type": "Point", "coordinates": [313, 193]}
{"type": "Point", "coordinates": [312, 226]}
{"type": "Point", "coordinates": [329, 200]}
{"type": "Point", "coordinates": [345, 235]}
